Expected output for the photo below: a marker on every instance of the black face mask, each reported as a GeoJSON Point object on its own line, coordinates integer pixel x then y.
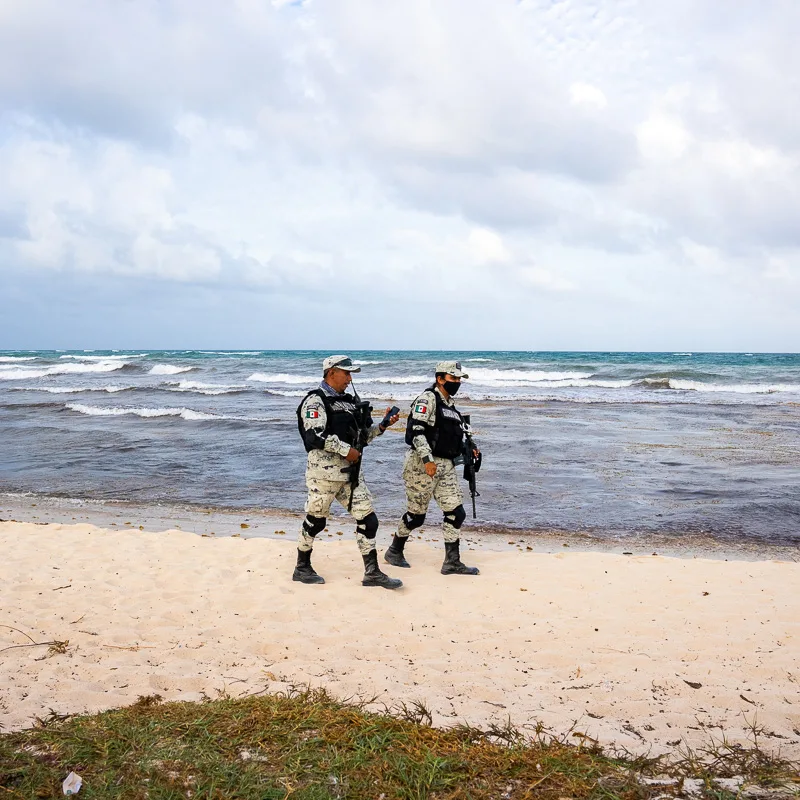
{"type": "Point", "coordinates": [451, 387]}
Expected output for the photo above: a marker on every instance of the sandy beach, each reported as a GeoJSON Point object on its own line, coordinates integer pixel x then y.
{"type": "Point", "coordinates": [643, 652]}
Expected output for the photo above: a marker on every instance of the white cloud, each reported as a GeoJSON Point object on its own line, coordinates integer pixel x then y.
{"type": "Point", "coordinates": [319, 147]}
{"type": "Point", "coordinates": [705, 258]}
{"type": "Point", "coordinates": [486, 247]}
{"type": "Point", "coordinates": [588, 95]}
{"type": "Point", "coordinates": [662, 137]}
{"type": "Point", "coordinates": [545, 279]}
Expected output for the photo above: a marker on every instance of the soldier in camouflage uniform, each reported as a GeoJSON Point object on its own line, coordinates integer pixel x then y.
{"type": "Point", "coordinates": [328, 422]}
{"type": "Point", "coordinates": [435, 433]}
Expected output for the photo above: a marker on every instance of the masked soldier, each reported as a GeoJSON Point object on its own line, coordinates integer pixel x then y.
{"type": "Point", "coordinates": [331, 421]}
{"type": "Point", "coordinates": [435, 433]}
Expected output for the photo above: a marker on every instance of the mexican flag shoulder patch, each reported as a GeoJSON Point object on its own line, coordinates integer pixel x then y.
{"type": "Point", "coordinates": [312, 413]}
{"type": "Point", "coordinates": [421, 408]}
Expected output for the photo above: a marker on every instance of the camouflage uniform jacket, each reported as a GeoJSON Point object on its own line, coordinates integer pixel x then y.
{"type": "Point", "coordinates": [424, 410]}
{"type": "Point", "coordinates": [331, 459]}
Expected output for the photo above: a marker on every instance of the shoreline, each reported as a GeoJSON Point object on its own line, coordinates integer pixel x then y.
{"type": "Point", "coordinates": [284, 524]}
{"type": "Point", "coordinates": [639, 652]}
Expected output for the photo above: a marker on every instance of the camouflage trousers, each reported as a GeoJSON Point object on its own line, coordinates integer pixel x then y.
{"type": "Point", "coordinates": [443, 487]}
{"type": "Point", "coordinates": [321, 494]}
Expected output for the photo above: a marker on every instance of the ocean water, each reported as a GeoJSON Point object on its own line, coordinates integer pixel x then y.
{"type": "Point", "coordinates": [610, 444]}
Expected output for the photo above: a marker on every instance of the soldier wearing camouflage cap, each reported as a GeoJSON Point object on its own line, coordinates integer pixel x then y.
{"type": "Point", "coordinates": [328, 419]}
{"type": "Point", "coordinates": [435, 433]}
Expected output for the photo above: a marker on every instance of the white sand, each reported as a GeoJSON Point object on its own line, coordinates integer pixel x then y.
{"type": "Point", "coordinates": [587, 643]}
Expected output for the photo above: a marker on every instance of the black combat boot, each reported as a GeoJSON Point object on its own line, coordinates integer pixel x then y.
{"type": "Point", "coordinates": [394, 553]}
{"type": "Point", "coordinates": [452, 561]}
{"type": "Point", "coordinates": [304, 572]}
{"type": "Point", "coordinates": [373, 575]}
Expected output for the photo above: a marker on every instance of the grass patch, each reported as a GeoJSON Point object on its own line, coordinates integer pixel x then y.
{"type": "Point", "coordinates": [306, 745]}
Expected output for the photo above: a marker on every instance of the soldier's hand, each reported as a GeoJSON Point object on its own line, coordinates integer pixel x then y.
{"type": "Point", "coordinates": [353, 455]}
{"type": "Point", "coordinates": [430, 468]}
{"type": "Point", "coordinates": [391, 419]}
{"type": "Point", "coordinates": [476, 453]}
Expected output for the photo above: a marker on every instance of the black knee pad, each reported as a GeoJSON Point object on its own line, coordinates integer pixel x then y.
{"type": "Point", "coordinates": [412, 521]}
{"type": "Point", "coordinates": [456, 517]}
{"type": "Point", "coordinates": [313, 525]}
{"type": "Point", "coordinates": [368, 526]}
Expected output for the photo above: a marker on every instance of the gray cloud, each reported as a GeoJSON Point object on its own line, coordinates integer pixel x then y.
{"type": "Point", "coordinates": [605, 156]}
{"type": "Point", "coordinates": [128, 69]}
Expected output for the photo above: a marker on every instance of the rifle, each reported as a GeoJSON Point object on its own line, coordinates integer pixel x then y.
{"type": "Point", "coordinates": [363, 423]}
{"type": "Point", "coordinates": [471, 463]}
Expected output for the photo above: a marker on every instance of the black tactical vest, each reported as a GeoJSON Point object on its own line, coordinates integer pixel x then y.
{"type": "Point", "coordinates": [446, 435]}
{"type": "Point", "coordinates": [342, 419]}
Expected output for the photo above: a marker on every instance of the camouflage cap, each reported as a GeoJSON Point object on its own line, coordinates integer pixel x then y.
{"type": "Point", "coordinates": [340, 362]}
{"type": "Point", "coordinates": [451, 368]}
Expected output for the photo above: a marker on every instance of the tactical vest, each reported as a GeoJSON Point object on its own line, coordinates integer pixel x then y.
{"type": "Point", "coordinates": [342, 418]}
{"type": "Point", "coordinates": [446, 435]}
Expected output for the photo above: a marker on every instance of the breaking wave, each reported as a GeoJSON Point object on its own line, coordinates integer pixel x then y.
{"type": "Point", "coordinates": [284, 377]}
{"type": "Point", "coordinates": [148, 413]}
{"type": "Point", "coordinates": [285, 393]}
{"type": "Point", "coordinates": [22, 373]}
{"type": "Point", "coordinates": [204, 388]}
{"type": "Point", "coordinates": [422, 379]}
{"type": "Point", "coordinates": [517, 377]}
{"type": "Point", "coordinates": [739, 388]}
{"type": "Point", "coordinates": [104, 358]}
{"type": "Point", "coordinates": [99, 411]}
{"type": "Point", "coordinates": [73, 389]}
{"type": "Point", "coordinates": [169, 369]}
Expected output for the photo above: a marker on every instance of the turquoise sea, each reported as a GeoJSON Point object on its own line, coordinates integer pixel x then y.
{"type": "Point", "coordinates": [606, 443]}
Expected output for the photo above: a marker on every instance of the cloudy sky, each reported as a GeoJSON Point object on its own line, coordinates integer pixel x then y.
{"type": "Point", "coordinates": [430, 174]}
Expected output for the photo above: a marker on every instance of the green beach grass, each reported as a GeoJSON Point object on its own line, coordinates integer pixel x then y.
{"type": "Point", "coordinates": [304, 744]}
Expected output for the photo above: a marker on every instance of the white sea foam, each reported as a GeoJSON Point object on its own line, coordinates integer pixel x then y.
{"type": "Point", "coordinates": [72, 389]}
{"type": "Point", "coordinates": [284, 377]}
{"type": "Point", "coordinates": [367, 363]}
{"type": "Point", "coordinates": [286, 392]}
{"type": "Point", "coordinates": [516, 377]}
{"type": "Point", "coordinates": [402, 379]}
{"type": "Point", "coordinates": [149, 413]}
{"type": "Point", "coordinates": [544, 397]}
{"type": "Point", "coordinates": [583, 383]}
{"type": "Point", "coordinates": [399, 396]}
{"type": "Point", "coordinates": [99, 411]}
{"type": "Point", "coordinates": [22, 373]}
{"type": "Point", "coordinates": [477, 359]}
{"type": "Point", "coordinates": [738, 388]}
{"type": "Point", "coordinates": [11, 359]}
{"type": "Point", "coordinates": [104, 358]}
{"type": "Point", "coordinates": [203, 388]}
{"type": "Point", "coordinates": [168, 369]}
{"type": "Point", "coordinates": [472, 390]}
